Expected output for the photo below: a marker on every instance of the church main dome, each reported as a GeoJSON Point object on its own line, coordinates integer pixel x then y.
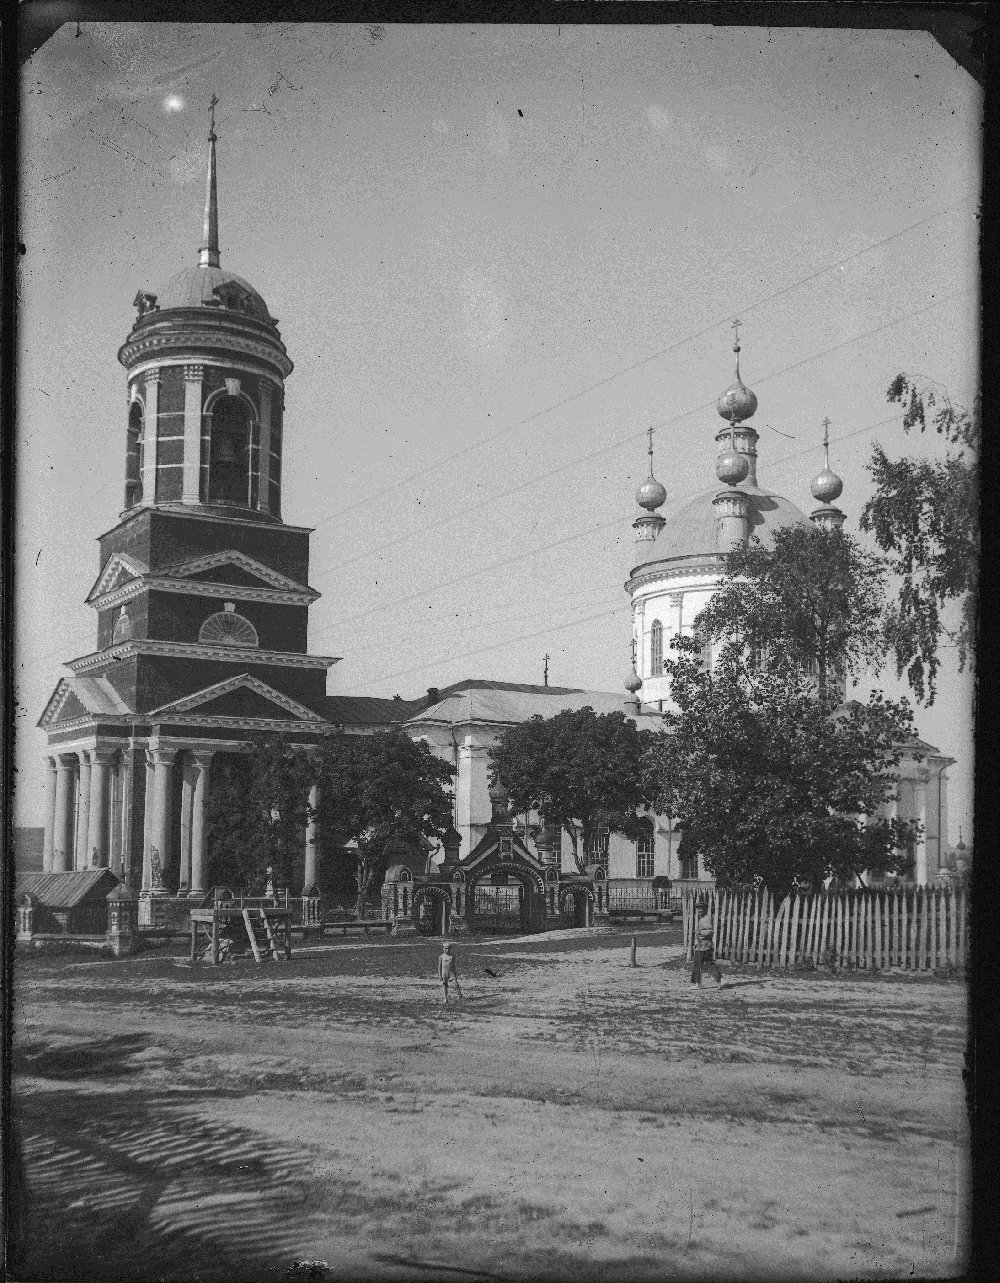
{"type": "Point", "coordinates": [213, 287]}
{"type": "Point", "coordinates": [691, 532]}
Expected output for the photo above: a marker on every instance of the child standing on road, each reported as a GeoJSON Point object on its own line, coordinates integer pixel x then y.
{"type": "Point", "coordinates": [704, 951]}
{"type": "Point", "coordinates": [448, 971]}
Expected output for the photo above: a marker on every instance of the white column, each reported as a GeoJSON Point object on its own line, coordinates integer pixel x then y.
{"type": "Point", "coordinates": [201, 763]}
{"type": "Point", "coordinates": [62, 834]}
{"type": "Point", "coordinates": [115, 815]}
{"type": "Point", "coordinates": [52, 775]}
{"type": "Point", "coordinates": [309, 880]}
{"type": "Point", "coordinates": [920, 814]}
{"type": "Point", "coordinates": [125, 844]}
{"type": "Point", "coordinates": [150, 433]}
{"type": "Point", "coordinates": [97, 828]}
{"type": "Point", "coordinates": [187, 803]}
{"type": "Point", "coordinates": [147, 822]}
{"type": "Point", "coordinates": [191, 486]}
{"type": "Point", "coordinates": [83, 812]}
{"type": "Point", "coordinates": [163, 766]}
{"type": "Point", "coordinates": [264, 464]}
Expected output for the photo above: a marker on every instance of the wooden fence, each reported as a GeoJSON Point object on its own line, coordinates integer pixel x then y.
{"type": "Point", "coordinates": [914, 930]}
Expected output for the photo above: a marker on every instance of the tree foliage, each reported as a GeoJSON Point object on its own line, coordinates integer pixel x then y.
{"type": "Point", "coordinates": [925, 515]}
{"type": "Point", "coordinates": [375, 790]}
{"type": "Point", "coordinates": [382, 792]}
{"type": "Point", "coordinates": [256, 812]}
{"type": "Point", "coordinates": [774, 782]}
{"type": "Point", "coordinates": [578, 769]}
{"type": "Point", "coordinates": [816, 595]}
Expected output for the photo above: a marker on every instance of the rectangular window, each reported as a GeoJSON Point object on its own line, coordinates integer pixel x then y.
{"type": "Point", "coordinates": [656, 649]}
{"type": "Point", "coordinates": [596, 846]}
{"type": "Point", "coordinates": [554, 833]}
{"type": "Point", "coordinates": [644, 854]}
{"type": "Point", "coordinates": [689, 866]}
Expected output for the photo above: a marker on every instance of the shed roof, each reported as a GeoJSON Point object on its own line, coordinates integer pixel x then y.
{"type": "Point", "coordinates": [66, 890]}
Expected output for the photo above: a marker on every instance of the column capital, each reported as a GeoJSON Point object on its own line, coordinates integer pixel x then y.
{"type": "Point", "coordinates": [202, 757]}
{"type": "Point", "coordinates": [152, 375]}
{"type": "Point", "coordinates": [194, 373]}
{"type": "Point", "coordinates": [161, 756]}
{"type": "Point", "coordinates": [52, 762]}
{"type": "Point", "coordinates": [83, 756]}
{"type": "Point", "coordinates": [103, 756]}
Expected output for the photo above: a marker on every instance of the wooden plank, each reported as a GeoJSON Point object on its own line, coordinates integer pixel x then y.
{"type": "Point", "coordinates": [905, 933]}
{"type": "Point", "coordinates": [815, 905]}
{"type": "Point", "coordinates": [253, 939]}
{"type": "Point", "coordinates": [793, 933]}
{"type": "Point", "coordinates": [714, 910]}
{"type": "Point", "coordinates": [734, 923]}
{"type": "Point", "coordinates": [824, 906]}
{"type": "Point", "coordinates": [886, 931]}
{"type": "Point", "coordinates": [782, 932]}
{"type": "Point", "coordinates": [876, 931]}
{"type": "Point", "coordinates": [953, 929]}
{"type": "Point", "coordinates": [918, 953]}
{"type": "Point", "coordinates": [761, 908]}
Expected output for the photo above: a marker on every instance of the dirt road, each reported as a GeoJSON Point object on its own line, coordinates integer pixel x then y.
{"type": "Point", "coordinates": [572, 1118]}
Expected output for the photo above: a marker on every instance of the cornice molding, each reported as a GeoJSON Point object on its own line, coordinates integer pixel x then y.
{"type": "Point", "coordinates": [199, 513]}
{"type": "Point", "coordinates": [199, 650]}
{"type": "Point", "coordinates": [136, 372]}
{"type": "Point", "coordinates": [143, 347]}
{"type": "Point", "coordinates": [249, 723]}
{"type": "Point", "coordinates": [200, 588]}
{"type": "Point", "coordinates": [657, 571]}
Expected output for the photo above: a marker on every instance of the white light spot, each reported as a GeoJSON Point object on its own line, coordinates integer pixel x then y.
{"type": "Point", "coordinates": [173, 102]}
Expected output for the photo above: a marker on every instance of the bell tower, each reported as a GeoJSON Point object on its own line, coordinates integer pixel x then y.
{"type": "Point", "coordinates": [202, 596]}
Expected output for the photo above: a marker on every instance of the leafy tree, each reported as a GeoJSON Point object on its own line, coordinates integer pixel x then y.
{"type": "Point", "coordinates": [578, 769]}
{"type": "Point", "coordinates": [816, 595]}
{"type": "Point", "coordinates": [257, 810]}
{"type": "Point", "coordinates": [774, 782]}
{"type": "Point", "coordinates": [925, 514]}
{"type": "Point", "coordinates": [381, 791]}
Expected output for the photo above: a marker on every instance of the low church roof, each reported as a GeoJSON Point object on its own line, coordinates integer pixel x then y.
{"type": "Point", "coordinates": [504, 703]}
{"type": "Point", "coordinates": [364, 710]}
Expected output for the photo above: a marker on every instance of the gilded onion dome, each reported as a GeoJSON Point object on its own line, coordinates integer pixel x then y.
{"type": "Point", "coordinates": [826, 485]}
{"type": "Point", "coordinates": [651, 494]}
{"type": "Point", "coordinates": [633, 682]}
{"type": "Point", "coordinates": [737, 403]}
{"type": "Point", "coordinates": [731, 467]}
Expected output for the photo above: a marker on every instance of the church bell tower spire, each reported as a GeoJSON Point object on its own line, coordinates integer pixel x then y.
{"type": "Point", "coordinates": [208, 255]}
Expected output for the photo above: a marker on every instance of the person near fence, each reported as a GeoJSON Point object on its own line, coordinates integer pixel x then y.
{"type": "Point", "coordinates": [448, 972]}
{"type": "Point", "coordinates": [704, 951]}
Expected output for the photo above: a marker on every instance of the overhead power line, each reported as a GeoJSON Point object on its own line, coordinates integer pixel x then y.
{"type": "Point", "coordinates": [613, 445]}
{"type": "Point", "coordinates": [628, 369]}
{"type": "Point", "coordinates": [604, 450]}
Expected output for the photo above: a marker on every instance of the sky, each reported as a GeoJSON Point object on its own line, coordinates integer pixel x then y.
{"type": "Point", "coordinates": [498, 254]}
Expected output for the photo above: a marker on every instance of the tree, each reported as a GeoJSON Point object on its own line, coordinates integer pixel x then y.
{"type": "Point", "coordinates": [381, 791]}
{"type": "Point", "coordinates": [257, 810]}
{"type": "Point", "coordinates": [775, 782]}
{"type": "Point", "coordinates": [814, 594]}
{"type": "Point", "coordinates": [578, 769]}
{"type": "Point", "coordinates": [925, 514]}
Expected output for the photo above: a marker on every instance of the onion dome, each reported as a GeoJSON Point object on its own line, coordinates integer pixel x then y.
{"type": "Point", "coordinates": [737, 403]}
{"type": "Point", "coordinates": [633, 682]}
{"type": "Point", "coordinates": [651, 494]}
{"type": "Point", "coordinates": [731, 467]}
{"type": "Point", "coordinates": [497, 792]}
{"type": "Point", "coordinates": [826, 485]}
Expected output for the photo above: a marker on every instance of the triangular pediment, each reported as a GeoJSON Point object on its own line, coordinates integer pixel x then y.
{"type": "Point", "coordinates": [231, 567]}
{"type": "Point", "coordinates": [242, 696]}
{"type": "Point", "coordinates": [64, 706]}
{"type": "Point", "coordinates": [118, 570]}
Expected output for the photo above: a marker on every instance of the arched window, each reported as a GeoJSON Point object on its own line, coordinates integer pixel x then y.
{"type": "Point", "coordinates": [596, 846]}
{"type": "Point", "coordinates": [229, 452]}
{"type": "Point", "coordinates": [134, 450]}
{"type": "Point", "coordinates": [644, 850]}
{"type": "Point", "coordinates": [705, 648]}
{"type": "Point", "coordinates": [656, 649]}
{"type": "Point", "coordinates": [228, 629]}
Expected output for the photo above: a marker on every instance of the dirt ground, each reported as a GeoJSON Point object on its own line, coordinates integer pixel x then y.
{"type": "Point", "coordinates": [329, 1118]}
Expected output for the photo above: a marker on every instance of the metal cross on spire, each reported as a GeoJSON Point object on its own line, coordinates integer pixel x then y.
{"type": "Point", "coordinates": [649, 433]}
{"type": "Point", "coordinates": [211, 127]}
{"type": "Point", "coordinates": [826, 443]}
{"type": "Point", "coordinates": [547, 658]}
{"type": "Point", "coordinates": [736, 332]}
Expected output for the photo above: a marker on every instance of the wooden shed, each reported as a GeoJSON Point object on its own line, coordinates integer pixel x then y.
{"type": "Point", "coordinates": [67, 903]}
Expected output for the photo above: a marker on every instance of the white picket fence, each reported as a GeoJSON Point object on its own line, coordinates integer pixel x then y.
{"type": "Point", "coordinates": [909, 930]}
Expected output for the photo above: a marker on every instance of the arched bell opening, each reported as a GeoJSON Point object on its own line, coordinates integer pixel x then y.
{"type": "Point", "coordinates": [134, 454]}
{"type": "Point", "coordinates": [229, 452]}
